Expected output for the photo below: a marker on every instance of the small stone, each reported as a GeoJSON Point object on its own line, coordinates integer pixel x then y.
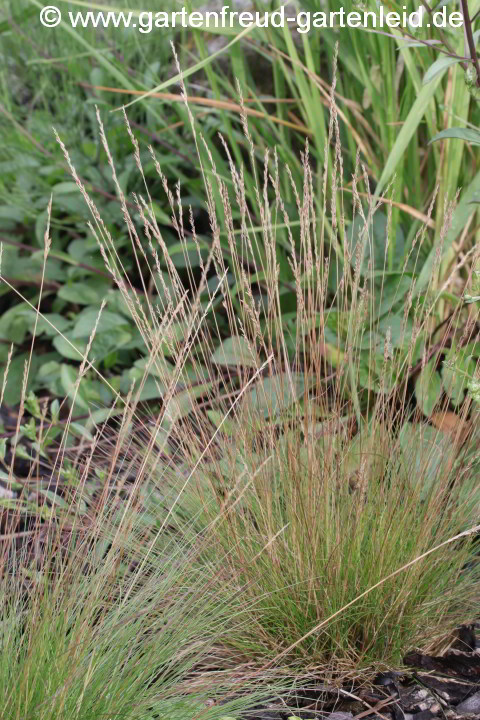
{"type": "Point", "coordinates": [424, 715]}
{"type": "Point", "coordinates": [470, 705]}
{"type": "Point", "coordinates": [340, 716]}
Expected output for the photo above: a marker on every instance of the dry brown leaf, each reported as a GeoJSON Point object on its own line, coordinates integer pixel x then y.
{"type": "Point", "coordinates": [450, 423]}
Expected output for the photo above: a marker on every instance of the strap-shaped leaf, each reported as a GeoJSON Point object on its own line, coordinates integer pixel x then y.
{"type": "Point", "coordinates": [468, 134]}
{"type": "Point", "coordinates": [439, 66]}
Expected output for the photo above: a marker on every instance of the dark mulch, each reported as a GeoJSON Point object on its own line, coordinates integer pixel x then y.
{"type": "Point", "coordinates": [446, 686]}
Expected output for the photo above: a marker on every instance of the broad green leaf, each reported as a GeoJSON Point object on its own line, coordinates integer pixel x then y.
{"type": "Point", "coordinates": [370, 340]}
{"type": "Point", "coordinates": [229, 427]}
{"type": "Point", "coordinates": [72, 204]}
{"type": "Point", "coordinates": [48, 376]}
{"type": "Point", "coordinates": [7, 212]}
{"type": "Point", "coordinates": [79, 429]}
{"type": "Point", "coordinates": [103, 344]}
{"type": "Point", "coordinates": [275, 394]}
{"type": "Point", "coordinates": [89, 292]}
{"type": "Point", "coordinates": [59, 322]}
{"type": "Point", "coordinates": [33, 406]}
{"type": "Point", "coordinates": [375, 245]}
{"type": "Point", "coordinates": [81, 251]}
{"type": "Point", "coordinates": [367, 449]}
{"type": "Point", "coordinates": [392, 324]}
{"type": "Point", "coordinates": [468, 134]}
{"type": "Point", "coordinates": [428, 388]}
{"type": "Point", "coordinates": [151, 387]}
{"type": "Point", "coordinates": [336, 327]}
{"type": "Point", "coordinates": [443, 62]}
{"type": "Point", "coordinates": [34, 266]}
{"type": "Point", "coordinates": [54, 498]}
{"type": "Point", "coordinates": [66, 350]}
{"type": "Point", "coordinates": [14, 326]}
{"type": "Point", "coordinates": [5, 476]}
{"type": "Point", "coordinates": [425, 451]}
{"type": "Point", "coordinates": [457, 368]}
{"type": "Point", "coordinates": [68, 377]}
{"type": "Point", "coordinates": [473, 386]}
{"type": "Point", "coordinates": [55, 411]}
{"type": "Point", "coordinates": [96, 417]}
{"type": "Point", "coordinates": [87, 318]}
{"type": "Point", "coordinates": [65, 187]}
{"type": "Point", "coordinates": [182, 403]}
{"type": "Point", "coordinates": [400, 334]}
{"type": "Point", "coordinates": [234, 351]}
{"type": "Point", "coordinates": [13, 390]}
{"type": "Point", "coordinates": [159, 368]}
{"type": "Point", "coordinates": [90, 391]}
{"type": "Point", "coordinates": [186, 254]}
{"type": "Point", "coordinates": [393, 291]}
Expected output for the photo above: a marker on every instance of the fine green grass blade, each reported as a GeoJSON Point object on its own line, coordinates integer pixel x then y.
{"type": "Point", "coordinates": [99, 57]}
{"type": "Point", "coordinates": [464, 209]}
{"type": "Point", "coordinates": [19, 19]}
{"type": "Point", "coordinates": [195, 68]}
{"type": "Point", "coordinates": [414, 118]}
{"type": "Point", "coordinates": [407, 131]}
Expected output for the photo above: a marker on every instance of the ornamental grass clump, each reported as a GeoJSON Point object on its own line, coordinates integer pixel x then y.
{"type": "Point", "coordinates": [105, 611]}
{"type": "Point", "coordinates": [318, 430]}
{"type": "Point", "coordinates": [99, 620]}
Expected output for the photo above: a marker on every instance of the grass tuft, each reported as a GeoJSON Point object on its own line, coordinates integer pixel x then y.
{"type": "Point", "coordinates": [303, 459]}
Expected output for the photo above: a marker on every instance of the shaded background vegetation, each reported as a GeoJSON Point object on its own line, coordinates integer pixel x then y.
{"type": "Point", "coordinates": [50, 77]}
